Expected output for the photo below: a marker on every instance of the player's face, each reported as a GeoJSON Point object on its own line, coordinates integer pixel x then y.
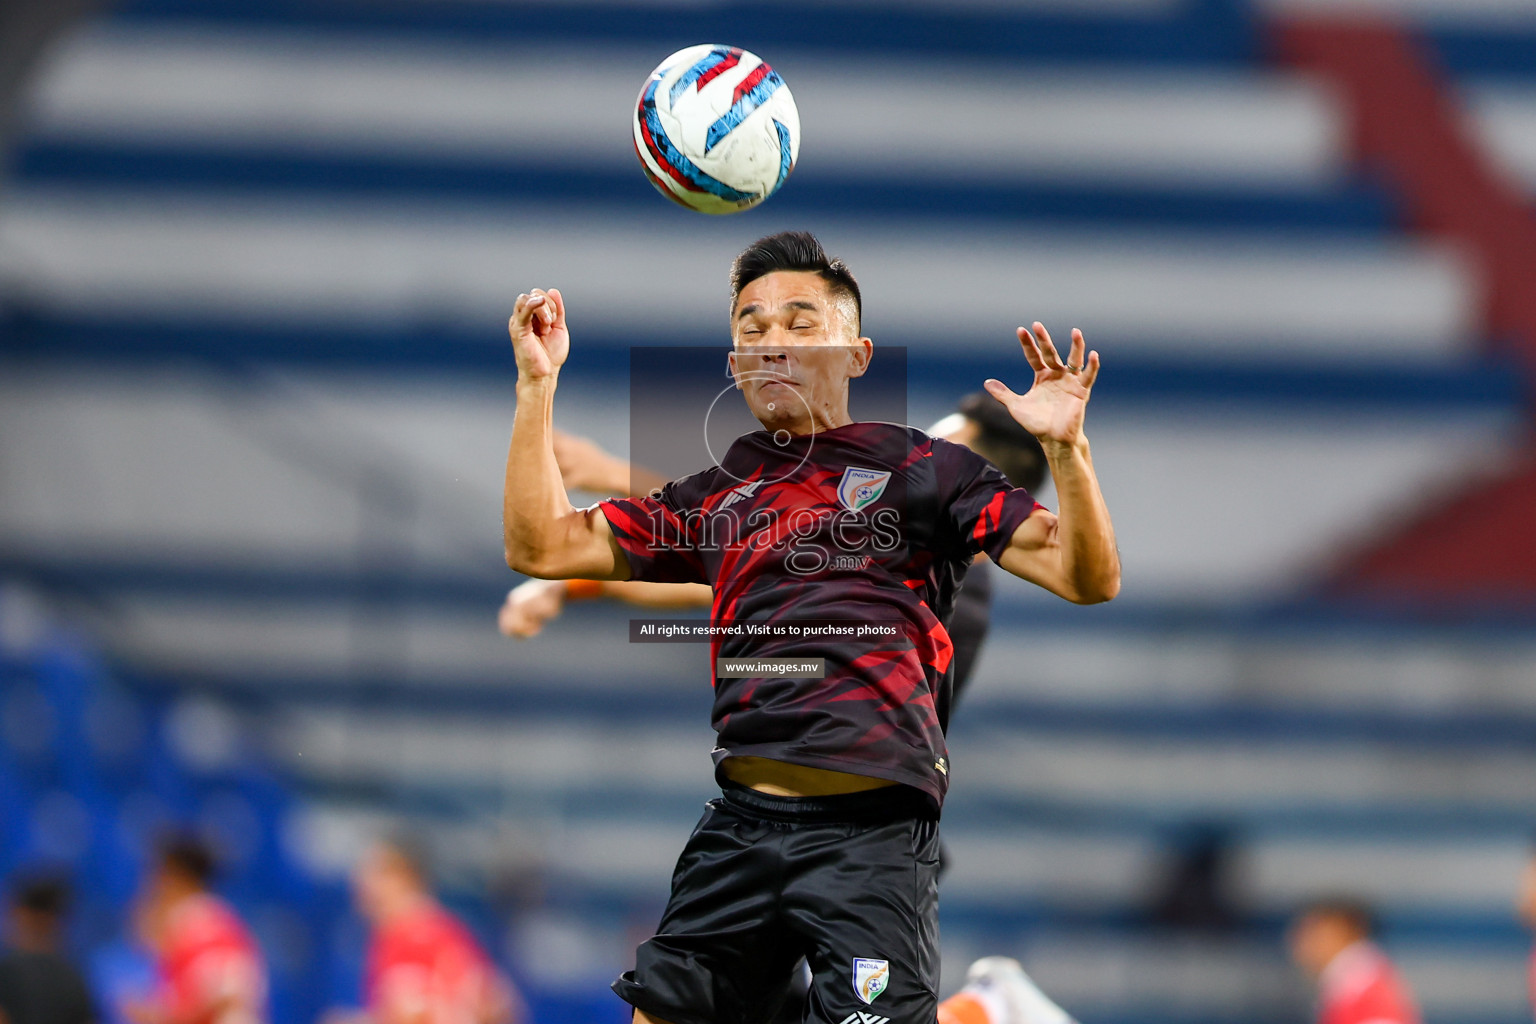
{"type": "Point", "coordinates": [370, 883]}
{"type": "Point", "coordinates": [795, 348]}
{"type": "Point", "coordinates": [1316, 938]}
{"type": "Point", "coordinates": [1525, 901]}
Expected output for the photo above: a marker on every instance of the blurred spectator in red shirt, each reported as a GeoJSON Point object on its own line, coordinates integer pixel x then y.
{"type": "Point", "coordinates": [1356, 983]}
{"type": "Point", "coordinates": [210, 969]}
{"type": "Point", "coordinates": [424, 966]}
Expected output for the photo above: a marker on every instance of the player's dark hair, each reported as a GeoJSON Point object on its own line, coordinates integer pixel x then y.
{"type": "Point", "coordinates": [794, 250]}
{"type": "Point", "coordinates": [1001, 441]}
{"type": "Point", "coordinates": [411, 853]}
{"type": "Point", "coordinates": [190, 857]}
{"type": "Point", "coordinates": [45, 895]}
{"type": "Point", "coordinates": [1355, 912]}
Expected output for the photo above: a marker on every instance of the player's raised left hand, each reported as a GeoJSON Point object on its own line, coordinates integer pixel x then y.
{"type": "Point", "coordinates": [1055, 404]}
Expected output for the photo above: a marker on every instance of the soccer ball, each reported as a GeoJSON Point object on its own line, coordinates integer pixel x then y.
{"type": "Point", "coordinates": [716, 129]}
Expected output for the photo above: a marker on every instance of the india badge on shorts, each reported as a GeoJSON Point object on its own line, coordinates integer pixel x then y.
{"type": "Point", "coordinates": [870, 977]}
{"type": "Point", "coordinates": [861, 487]}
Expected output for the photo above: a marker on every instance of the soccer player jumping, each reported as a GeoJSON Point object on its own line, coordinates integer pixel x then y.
{"type": "Point", "coordinates": [824, 842]}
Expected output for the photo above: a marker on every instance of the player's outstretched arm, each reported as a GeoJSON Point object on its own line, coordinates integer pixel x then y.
{"type": "Point", "coordinates": [543, 534]}
{"type": "Point", "coordinates": [533, 604]}
{"type": "Point", "coordinates": [585, 466]}
{"type": "Point", "coordinates": [1072, 553]}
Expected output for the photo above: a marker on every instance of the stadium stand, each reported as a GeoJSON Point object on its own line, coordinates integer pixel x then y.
{"type": "Point", "coordinates": [254, 262]}
{"type": "Point", "coordinates": [95, 768]}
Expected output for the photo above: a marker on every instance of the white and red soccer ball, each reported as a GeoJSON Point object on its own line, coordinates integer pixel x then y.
{"type": "Point", "coordinates": [716, 129]}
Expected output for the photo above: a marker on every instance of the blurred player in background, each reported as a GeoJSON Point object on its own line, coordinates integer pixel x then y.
{"type": "Point", "coordinates": [1331, 940]}
{"type": "Point", "coordinates": [1525, 908]}
{"type": "Point", "coordinates": [831, 788]}
{"type": "Point", "coordinates": [981, 423]}
{"type": "Point", "coordinates": [210, 969]}
{"type": "Point", "coordinates": [424, 966]}
{"type": "Point", "coordinates": [38, 983]}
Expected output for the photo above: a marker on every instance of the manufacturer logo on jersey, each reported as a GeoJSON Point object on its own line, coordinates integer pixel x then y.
{"type": "Point", "coordinates": [860, 488]}
{"type": "Point", "coordinates": [738, 493]}
{"type": "Point", "coordinates": [942, 764]}
{"type": "Point", "coordinates": [870, 976]}
{"type": "Point", "coordinates": [860, 1017]}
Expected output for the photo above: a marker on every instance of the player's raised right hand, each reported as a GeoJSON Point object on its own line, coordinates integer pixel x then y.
{"type": "Point", "coordinates": [539, 338]}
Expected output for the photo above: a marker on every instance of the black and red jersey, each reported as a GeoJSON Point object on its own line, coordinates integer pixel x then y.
{"type": "Point", "coordinates": [868, 522]}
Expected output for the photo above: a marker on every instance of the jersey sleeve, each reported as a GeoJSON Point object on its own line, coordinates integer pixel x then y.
{"type": "Point", "coordinates": [982, 509]}
{"type": "Point", "coordinates": [657, 533]}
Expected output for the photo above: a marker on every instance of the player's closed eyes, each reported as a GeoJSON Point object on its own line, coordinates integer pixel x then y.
{"type": "Point", "coordinates": [752, 332]}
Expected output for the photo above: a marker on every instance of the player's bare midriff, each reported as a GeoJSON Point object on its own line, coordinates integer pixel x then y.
{"type": "Point", "coordinates": [780, 778]}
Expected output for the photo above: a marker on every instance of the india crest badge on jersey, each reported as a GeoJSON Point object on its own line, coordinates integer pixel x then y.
{"type": "Point", "coordinates": [860, 488]}
{"type": "Point", "coordinates": [870, 976]}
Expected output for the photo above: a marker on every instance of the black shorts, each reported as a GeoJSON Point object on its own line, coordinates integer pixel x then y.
{"type": "Point", "coordinates": [848, 882]}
